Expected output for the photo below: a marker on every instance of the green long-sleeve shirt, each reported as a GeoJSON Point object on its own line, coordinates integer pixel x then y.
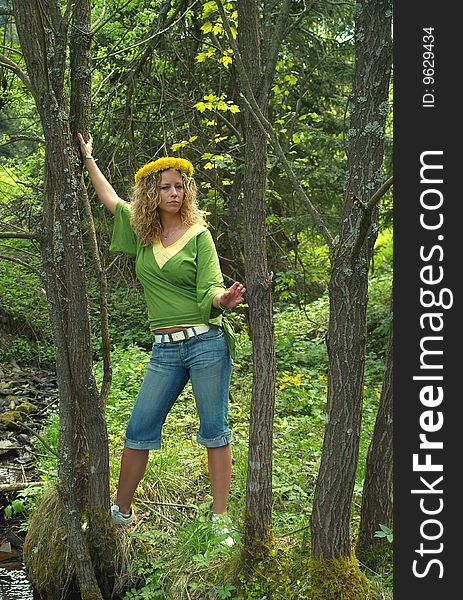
{"type": "Point", "coordinates": [179, 281]}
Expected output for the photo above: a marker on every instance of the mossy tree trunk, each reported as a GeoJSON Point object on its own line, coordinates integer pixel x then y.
{"type": "Point", "coordinates": [83, 474]}
{"type": "Point", "coordinates": [348, 288]}
{"type": "Point", "coordinates": [377, 489]}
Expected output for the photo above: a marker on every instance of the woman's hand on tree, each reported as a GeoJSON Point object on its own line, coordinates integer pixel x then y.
{"type": "Point", "coordinates": [233, 296]}
{"type": "Point", "coordinates": [85, 147]}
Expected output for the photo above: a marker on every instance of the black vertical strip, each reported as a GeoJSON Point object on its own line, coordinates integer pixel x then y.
{"type": "Point", "coordinates": [428, 237]}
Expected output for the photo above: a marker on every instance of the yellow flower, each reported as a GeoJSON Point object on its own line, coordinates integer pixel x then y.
{"type": "Point", "coordinates": [282, 386]}
{"type": "Point", "coordinates": [161, 164]}
{"type": "Point", "coordinates": [141, 366]}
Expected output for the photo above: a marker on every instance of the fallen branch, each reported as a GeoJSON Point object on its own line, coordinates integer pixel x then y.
{"type": "Point", "coordinates": [19, 485]}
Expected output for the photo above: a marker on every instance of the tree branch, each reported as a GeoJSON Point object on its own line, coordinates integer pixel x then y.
{"type": "Point", "coordinates": [23, 263]}
{"type": "Point", "coordinates": [20, 485]}
{"type": "Point", "coordinates": [20, 235]}
{"type": "Point", "coordinates": [263, 123]}
{"type": "Point", "coordinates": [99, 19]}
{"type": "Point", "coordinates": [153, 40]}
{"type": "Point", "coordinates": [99, 23]}
{"type": "Point", "coordinates": [151, 37]}
{"type": "Point", "coordinates": [271, 59]}
{"type": "Point", "coordinates": [10, 64]}
{"type": "Point", "coordinates": [367, 211]}
{"type": "Point", "coordinates": [100, 273]}
{"type": "Point", "coordinates": [19, 138]}
{"type": "Point", "coordinates": [300, 17]}
{"type": "Point", "coordinates": [38, 436]}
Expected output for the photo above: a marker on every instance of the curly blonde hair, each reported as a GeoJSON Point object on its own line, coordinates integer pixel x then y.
{"type": "Point", "coordinates": [145, 200]}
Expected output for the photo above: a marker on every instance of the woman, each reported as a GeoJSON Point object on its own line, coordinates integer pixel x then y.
{"type": "Point", "coordinates": [178, 267]}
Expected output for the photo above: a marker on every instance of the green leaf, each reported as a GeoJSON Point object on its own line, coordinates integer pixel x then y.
{"type": "Point", "coordinates": [178, 145]}
{"type": "Point", "coordinates": [209, 8]}
{"type": "Point", "coordinates": [226, 60]}
{"type": "Point", "coordinates": [384, 532]}
{"type": "Point", "coordinates": [18, 506]}
{"type": "Point", "coordinates": [207, 27]}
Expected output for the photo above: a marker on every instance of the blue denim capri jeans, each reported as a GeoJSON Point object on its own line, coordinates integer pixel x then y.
{"type": "Point", "coordinates": [205, 360]}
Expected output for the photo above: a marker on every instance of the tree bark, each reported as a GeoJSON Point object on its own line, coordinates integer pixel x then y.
{"type": "Point", "coordinates": [83, 471]}
{"type": "Point", "coordinates": [348, 286]}
{"type": "Point", "coordinates": [258, 520]}
{"type": "Point", "coordinates": [377, 490]}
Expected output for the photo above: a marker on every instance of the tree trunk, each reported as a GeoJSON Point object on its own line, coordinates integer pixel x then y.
{"type": "Point", "coordinates": [258, 520]}
{"type": "Point", "coordinates": [377, 489]}
{"type": "Point", "coordinates": [83, 474]}
{"type": "Point", "coordinates": [348, 286]}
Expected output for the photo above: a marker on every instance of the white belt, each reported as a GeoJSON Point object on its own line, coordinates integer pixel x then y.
{"type": "Point", "coordinates": [179, 336]}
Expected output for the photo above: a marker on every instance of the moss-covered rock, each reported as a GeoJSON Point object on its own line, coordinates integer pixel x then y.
{"type": "Point", "coordinates": [10, 418]}
{"type": "Point", "coordinates": [26, 408]}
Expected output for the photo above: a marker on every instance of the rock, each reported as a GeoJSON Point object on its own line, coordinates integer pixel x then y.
{"type": "Point", "coordinates": [7, 552]}
{"type": "Point", "coordinates": [5, 388]}
{"type": "Point", "coordinates": [23, 439]}
{"type": "Point", "coordinates": [6, 446]}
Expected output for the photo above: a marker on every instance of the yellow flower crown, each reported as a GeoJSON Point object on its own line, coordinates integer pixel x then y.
{"type": "Point", "coordinates": [161, 164]}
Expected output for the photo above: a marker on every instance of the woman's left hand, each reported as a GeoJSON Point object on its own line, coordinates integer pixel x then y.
{"type": "Point", "coordinates": [233, 296]}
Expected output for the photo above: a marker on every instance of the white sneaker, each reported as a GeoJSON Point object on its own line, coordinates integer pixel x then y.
{"type": "Point", "coordinates": [120, 518]}
{"type": "Point", "coordinates": [222, 528]}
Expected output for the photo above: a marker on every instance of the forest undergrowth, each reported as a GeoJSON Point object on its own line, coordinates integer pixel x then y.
{"type": "Point", "coordinates": [174, 554]}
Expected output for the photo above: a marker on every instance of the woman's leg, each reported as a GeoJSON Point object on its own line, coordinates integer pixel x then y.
{"type": "Point", "coordinates": [210, 372]}
{"type": "Point", "coordinates": [133, 466]}
{"type": "Point", "coordinates": [164, 379]}
{"type": "Point", "coordinates": [220, 471]}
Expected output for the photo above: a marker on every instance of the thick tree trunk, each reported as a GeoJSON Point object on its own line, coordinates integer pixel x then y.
{"type": "Point", "coordinates": [348, 286]}
{"type": "Point", "coordinates": [377, 489]}
{"type": "Point", "coordinates": [259, 295]}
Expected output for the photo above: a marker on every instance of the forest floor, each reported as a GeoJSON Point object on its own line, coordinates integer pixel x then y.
{"type": "Point", "coordinates": [176, 555]}
{"type": "Point", "coordinates": [28, 395]}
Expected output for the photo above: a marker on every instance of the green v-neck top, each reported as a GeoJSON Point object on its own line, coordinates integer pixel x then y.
{"type": "Point", "coordinates": [180, 280]}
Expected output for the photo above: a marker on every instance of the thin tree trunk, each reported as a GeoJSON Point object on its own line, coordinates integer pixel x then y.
{"type": "Point", "coordinates": [377, 490]}
{"type": "Point", "coordinates": [258, 521]}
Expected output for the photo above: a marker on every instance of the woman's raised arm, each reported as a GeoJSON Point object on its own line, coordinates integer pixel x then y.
{"type": "Point", "coordinates": [104, 190]}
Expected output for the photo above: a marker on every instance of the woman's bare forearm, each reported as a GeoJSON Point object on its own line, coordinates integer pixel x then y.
{"type": "Point", "coordinates": [104, 190]}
